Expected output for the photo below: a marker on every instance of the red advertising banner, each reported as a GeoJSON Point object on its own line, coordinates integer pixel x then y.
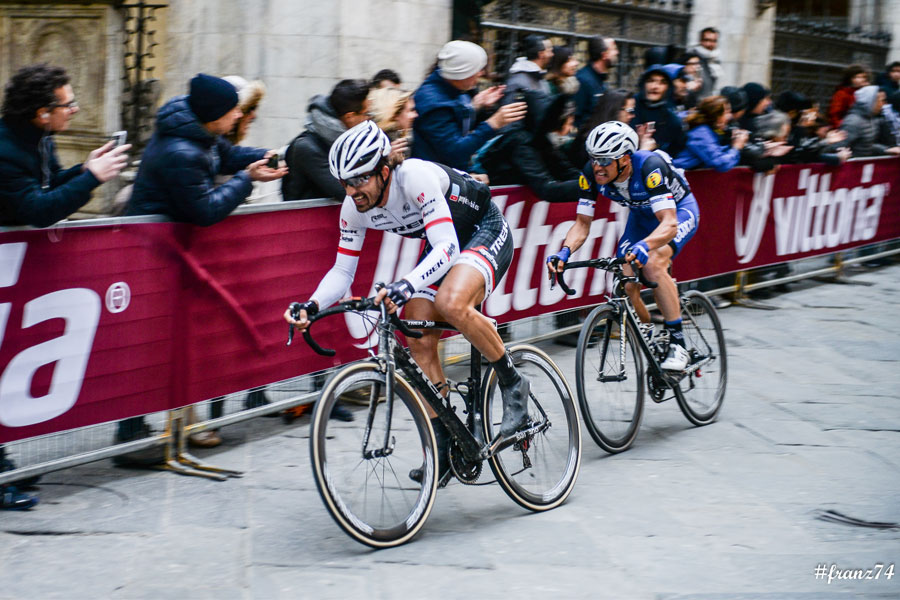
{"type": "Point", "coordinates": [98, 323]}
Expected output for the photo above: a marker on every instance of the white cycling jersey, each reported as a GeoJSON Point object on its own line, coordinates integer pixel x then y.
{"type": "Point", "coordinates": [418, 205]}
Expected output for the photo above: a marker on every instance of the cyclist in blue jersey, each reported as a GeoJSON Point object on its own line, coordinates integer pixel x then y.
{"type": "Point", "coordinates": [663, 216]}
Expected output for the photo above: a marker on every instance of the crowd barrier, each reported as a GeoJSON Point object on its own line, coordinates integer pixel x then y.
{"type": "Point", "coordinates": [108, 319]}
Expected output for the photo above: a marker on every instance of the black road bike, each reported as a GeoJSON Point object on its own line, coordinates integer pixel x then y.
{"type": "Point", "coordinates": [612, 347]}
{"type": "Point", "coordinates": [361, 467]}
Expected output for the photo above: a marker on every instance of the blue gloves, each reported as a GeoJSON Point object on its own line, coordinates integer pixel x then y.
{"type": "Point", "coordinates": [641, 252]}
{"type": "Point", "coordinates": [560, 257]}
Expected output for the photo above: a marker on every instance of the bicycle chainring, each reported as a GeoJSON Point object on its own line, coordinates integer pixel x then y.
{"type": "Point", "coordinates": [657, 388]}
{"type": "Point", "coordinates": [466, 472]}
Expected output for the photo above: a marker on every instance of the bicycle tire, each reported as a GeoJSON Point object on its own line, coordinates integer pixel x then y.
{"type": "Point", "coordinates": [372, 499]}
{"type": "Point", "coordinates": [703, 391]}
{"type": "Point", "coordinates": [612, 410]}
{"type": "Point", "coordinates": [555, 452]}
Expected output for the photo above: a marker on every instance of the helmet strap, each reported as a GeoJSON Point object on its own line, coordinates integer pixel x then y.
{"type": "Point", "coordinates": [383, 186]}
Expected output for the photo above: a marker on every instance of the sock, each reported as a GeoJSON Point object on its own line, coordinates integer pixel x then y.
{"type": "Point", "coordinates": [675, 332]}
{"type": "Point", "coordinates": [506, 372]}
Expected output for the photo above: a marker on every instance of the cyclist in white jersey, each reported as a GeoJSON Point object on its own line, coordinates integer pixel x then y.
{"type": "Point", "coordinates": [469, 248]}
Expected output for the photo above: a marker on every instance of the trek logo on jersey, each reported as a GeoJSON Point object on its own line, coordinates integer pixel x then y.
{"type": "Point", "coordinates": [654, 179]}
{"type": "Point", "coordinates": [421, 198]}
{"type": "Point", "coordinates": [583, 183]}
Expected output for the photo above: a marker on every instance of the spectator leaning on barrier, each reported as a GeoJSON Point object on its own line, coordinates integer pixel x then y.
{"type": "Point", "coordinates": [34, 189]}
{"type": "Point", "coordinates": [759, 102]}
{"type": "Point", "coordinates": [708, 51]}
{"type": "Point", "coordinates": [807, 145]}
{"type": "Point", "coordinates": [705, 128]}
{"type": "Point", "coordinates": [867, 134]}
{"type": "Point", "coordinates": [447, 130]}
{"type": "Point", "coordinates": [178, 169]}
{"type": "Point", "coordinates": [653, 106]}
{"type": "Point", "coordinates": [853, 78]}
{"type": "Point", "coordinates": [307, 155]}
{"type": "Point", "coordinates": [602, 55]}
{"type": "Point", "coordinates": [528, 155]}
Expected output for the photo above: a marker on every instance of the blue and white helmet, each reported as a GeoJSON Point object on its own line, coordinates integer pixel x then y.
{"type": "Point", "coordinates": [358, 151]}
{"type": "Point", "coordinates": [611, 140]}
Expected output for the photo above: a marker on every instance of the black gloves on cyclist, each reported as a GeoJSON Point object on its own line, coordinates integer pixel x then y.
{"type": "Point", "coordinates": [309, 306]}
{"type": "Point", "coordinates": [400, 292]}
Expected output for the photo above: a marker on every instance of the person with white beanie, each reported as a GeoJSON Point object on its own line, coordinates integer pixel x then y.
{"type": "Point", "coordinates": [447, 129]}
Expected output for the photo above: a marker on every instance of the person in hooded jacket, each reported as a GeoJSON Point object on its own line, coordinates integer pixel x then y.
{"type": "Point", "coordinates": [864, 126]}
{"type": "Point", "coordinates": [527, 72]}
{"type": "Point", "coordinates": [528, 155]}
{"type": "Point", "coordinates": [178, 168]}
{"type": "Point", "coordinates": [683, 99]}
{"type": "Point", "coordinates": [653, 105]}
{"type": "Point", "coordinates": [327, 117]}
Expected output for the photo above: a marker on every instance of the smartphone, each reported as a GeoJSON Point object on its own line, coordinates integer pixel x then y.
{"type": "Point", "coordinates": [119, 138]}
{"type": "Point", "coordinates": [651, 126]}
{"type": "Point", "coordinates": [273, 162]}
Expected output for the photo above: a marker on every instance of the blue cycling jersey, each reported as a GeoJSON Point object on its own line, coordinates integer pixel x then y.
{"type": "Point", "coordinates": [655, 184]}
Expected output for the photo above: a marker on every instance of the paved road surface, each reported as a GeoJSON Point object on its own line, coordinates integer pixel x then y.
{"type": "Point", "coordinates": [811, 422]}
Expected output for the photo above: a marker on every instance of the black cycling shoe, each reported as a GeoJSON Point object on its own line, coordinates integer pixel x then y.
{"type": "Point", "coordinates": [442, 437]}
{"type": "Point", "coordinates": [515, 407]}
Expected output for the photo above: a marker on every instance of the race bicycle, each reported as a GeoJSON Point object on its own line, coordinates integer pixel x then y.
{"type": "Point", "coordinates": [361, 467]}
{"type": "Point", "coordinates": [613, 345]}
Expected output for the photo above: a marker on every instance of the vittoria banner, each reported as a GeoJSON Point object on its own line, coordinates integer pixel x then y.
{"type": "Point", "coordinates": [99, 323]}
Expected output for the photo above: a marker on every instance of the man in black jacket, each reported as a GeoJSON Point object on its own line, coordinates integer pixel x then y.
{"type": "Point", "coordinates": [653, 105]}
{"type": "Point", "coordinates": [187, 151]}
{"type": "Point", "coordinates": [34, 189]}
{"type": "Point", "coordinates": [307, 155]}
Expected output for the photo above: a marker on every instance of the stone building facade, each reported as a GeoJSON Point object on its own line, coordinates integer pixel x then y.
{"type": "Point", "coordinates": [127, 52]}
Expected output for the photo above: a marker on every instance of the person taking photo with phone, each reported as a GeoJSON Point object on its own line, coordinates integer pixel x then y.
{"type": "Point", "coordinates": [34, 189]}
{"type": "Point", "coordinates": [188, 149]}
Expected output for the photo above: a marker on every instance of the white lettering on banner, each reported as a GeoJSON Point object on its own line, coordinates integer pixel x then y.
{"type": "Point", "coordinates": [536, 235]}
{"type": "Point", "coordinates": [825, 218]}
{"type": "Point", "coordinates": [80, 308]}
{"type": "Point", "coordinates": [746, 240]}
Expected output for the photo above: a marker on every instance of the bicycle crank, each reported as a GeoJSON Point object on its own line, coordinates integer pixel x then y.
{"type": "Point", "coordinates": [467, 472]}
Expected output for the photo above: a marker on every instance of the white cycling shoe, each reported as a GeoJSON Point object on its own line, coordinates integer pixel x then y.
{"type": "Point", "coordinates": [676, 359]}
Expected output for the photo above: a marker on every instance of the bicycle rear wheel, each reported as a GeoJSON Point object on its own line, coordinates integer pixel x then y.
{"type": "Point", "coordinates": [703, 388]}
{"type": "Point", "coordinates": [539, 471]}
{"type": "Point", "coordinates": [609, 380]}
{"type": "Point", "coordinates": [369, 493]}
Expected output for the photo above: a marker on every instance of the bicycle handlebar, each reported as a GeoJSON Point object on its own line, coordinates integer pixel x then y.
{"type": "Point", "coordinates": [607, 264]}
{"type": "Point", "coordinates": [351, 305]}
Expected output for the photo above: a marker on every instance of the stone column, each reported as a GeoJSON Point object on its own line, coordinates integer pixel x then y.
{"type": "Point", "coordinates": [890, 22]}
{"type": "Point", "coordinates": [746, 37]}
{"type": "Point", "coordinates": [86, 41]}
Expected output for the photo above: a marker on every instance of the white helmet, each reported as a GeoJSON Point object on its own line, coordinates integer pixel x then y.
{"type": "Point", "coordinates": [611, 140]}
{"type": "Point", "coordinates": [358, 151]}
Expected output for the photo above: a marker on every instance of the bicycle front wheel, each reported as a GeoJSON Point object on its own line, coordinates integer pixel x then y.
{"type": "Point", "coordinates": [609, 380]}
{"type": "Point", "coordinates": [703, 388]}
{"type": "Point", "coordinates": [362, 467]}
{"type": "Point", "coordinates": [539, 471]}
